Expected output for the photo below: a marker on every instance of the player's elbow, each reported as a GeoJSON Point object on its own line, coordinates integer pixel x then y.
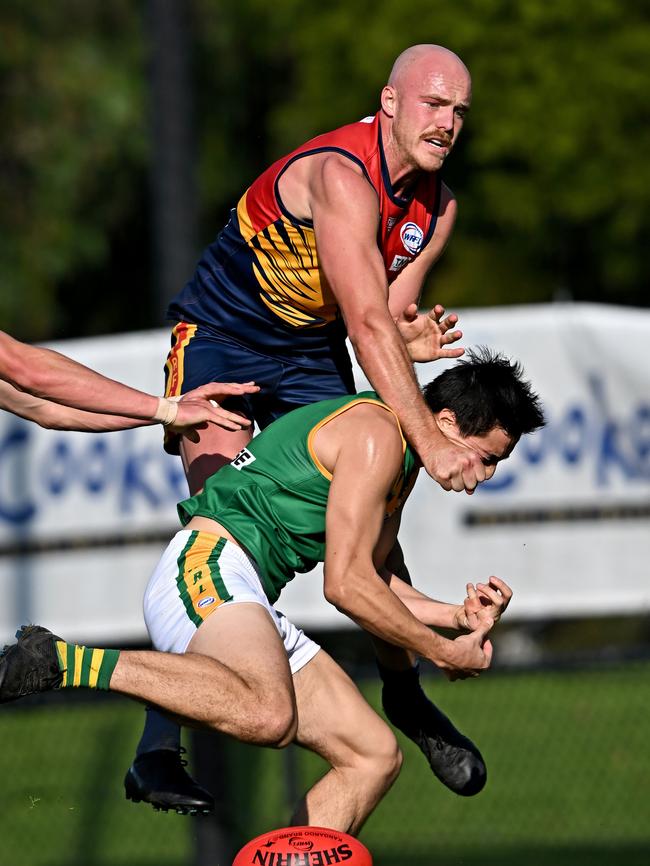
{"type": "Point", "coordinates": [368, 329]}
{"type": "Point", "coordinates": [341, 592]}
{"type": "Point", "coordinates": [335, 592]}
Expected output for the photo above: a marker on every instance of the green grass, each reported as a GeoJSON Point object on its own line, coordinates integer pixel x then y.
{"type": "Point", "coordinates": [569, 782]}
{"type": "Point", "coordinates": [569, 776]}
{"type": "Point", "coordinates": [62, 801]}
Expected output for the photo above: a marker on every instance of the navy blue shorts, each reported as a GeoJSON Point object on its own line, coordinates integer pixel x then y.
{"type": "Point", "coordinates": [199, 355]}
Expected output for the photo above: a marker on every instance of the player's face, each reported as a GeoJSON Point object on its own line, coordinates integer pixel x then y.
{"type": "Point", "coordinates": [429, 110]}
{"type": "Point", "coordinates": [492, 447]}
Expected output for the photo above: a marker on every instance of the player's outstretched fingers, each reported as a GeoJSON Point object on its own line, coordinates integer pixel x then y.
{"type": "Point", "coordinates": [410, 314]}
{"type": "Point", "coordinates": [472, 605]}
{"type": "Point", "coordinates": [448, 323]}
{"type": "Point", "coordinates": [220, 390]}
{"type": "Point", "coordinates": [501, 586]}
{"type": "Point", "coordinates": [499, 598]}
{"type": "Point", "coordinates": [452, 337]}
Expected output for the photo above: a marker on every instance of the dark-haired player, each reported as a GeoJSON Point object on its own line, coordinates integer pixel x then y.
{"type": "Point", "coordinates": [338, 470]}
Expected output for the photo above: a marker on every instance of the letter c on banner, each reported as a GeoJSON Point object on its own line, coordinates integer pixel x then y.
{"type": "Point", "coordinates": [13, 508]}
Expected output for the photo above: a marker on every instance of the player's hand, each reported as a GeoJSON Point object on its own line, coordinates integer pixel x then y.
{"type": "Point", "coordinates": [485, 599]}
{"type": "Point", "coordinates": [455, 466]}
{"type": "Point", "coordinates": [199, 407]}
{"type": "Point", "coordinates": [469, 654]}
{"type": "Point", "coordinates": [427, 334]}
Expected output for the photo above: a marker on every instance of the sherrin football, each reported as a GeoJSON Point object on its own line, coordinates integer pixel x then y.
{"type": "Point", "coordinates": [303, 846]}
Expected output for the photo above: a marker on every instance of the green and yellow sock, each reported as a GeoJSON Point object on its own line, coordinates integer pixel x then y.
{"type": "Point", "coordinates": [86, 667]}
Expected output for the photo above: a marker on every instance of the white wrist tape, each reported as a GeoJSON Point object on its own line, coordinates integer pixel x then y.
{"type": "Point", "coordinates": [167, 410]}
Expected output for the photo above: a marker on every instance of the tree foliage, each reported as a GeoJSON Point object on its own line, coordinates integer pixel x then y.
{"type": "Point", "coordinates": [551, 172]}
{"type": "Point", "coordinates": [72, 140]}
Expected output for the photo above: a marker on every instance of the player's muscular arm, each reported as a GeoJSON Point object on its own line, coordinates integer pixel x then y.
{"type": "Point", "coordinates": [428, 610]}
{"type": "Point", "coordinates": [389, 562]}
{"type": "Point", "coordinates": [54, 416]}
{"type": "Point", "coordinates": [194, 411]}
{"type": "Point", "coordinates": [48, 374]}
{"type": "Point", "coordinates": [345, 215]}
{"type": "Point", "coordinates": [363, 471]}
{"type": "Point", "coordinates": [58, 393]}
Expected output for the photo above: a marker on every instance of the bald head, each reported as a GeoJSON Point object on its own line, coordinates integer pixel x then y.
{"type": "Point", "coordinates": [423, 107]}
{"type": "Point", "coordinates": [423, 60]}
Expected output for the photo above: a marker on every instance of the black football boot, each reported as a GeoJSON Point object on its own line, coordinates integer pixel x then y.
{"type": "Point", "coordinates": [159, 777]}
{"type": "Point", "coordinates": [30, 665]}
{"type": "Point", "coordinates": [454, 759]}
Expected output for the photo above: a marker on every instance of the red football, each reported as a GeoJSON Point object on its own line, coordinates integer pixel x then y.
{"type": "Point", "coordinates": [303, 846]}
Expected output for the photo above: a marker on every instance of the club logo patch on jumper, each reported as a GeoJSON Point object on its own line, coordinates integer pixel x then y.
{"type": "Point", "coordinates": [400, 262]}
{"type": "Point", "coordinates": [206, 601]}
{"type": "Point", "coordinates": [242, 459]}
{"type": "Point", "coordinates": [412, 237]}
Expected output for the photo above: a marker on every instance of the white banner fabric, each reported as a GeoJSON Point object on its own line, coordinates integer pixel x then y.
{"type": "Point", "coordinates": [566, 520]}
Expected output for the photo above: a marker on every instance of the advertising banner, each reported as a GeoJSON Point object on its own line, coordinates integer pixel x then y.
{"type": "Point", "coordinates": [565, 520]}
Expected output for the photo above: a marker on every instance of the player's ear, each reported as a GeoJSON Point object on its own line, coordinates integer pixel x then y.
{"type": "Point", "coordinates": [388, 100]}
{"type": "Point", "coordinates": [447, 422]}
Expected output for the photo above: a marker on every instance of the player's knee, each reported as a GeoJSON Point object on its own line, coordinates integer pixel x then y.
{"type": "Point", "coordinates": [277, 721]}
{"type": "Point", "coordinates": [383, 760]}
{"type": "Point", "coordinates": [398, 760]}
{"type": "Point", "coordinates": [390, 758]}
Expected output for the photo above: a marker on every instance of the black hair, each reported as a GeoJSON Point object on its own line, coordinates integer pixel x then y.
{"type": "Point", "coordinates": [486, 390]}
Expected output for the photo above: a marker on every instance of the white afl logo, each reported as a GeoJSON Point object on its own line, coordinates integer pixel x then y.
{"type": "Point", "coordinates": [412, 237]}
{"type": "Point", "coordinates": [206, 601]}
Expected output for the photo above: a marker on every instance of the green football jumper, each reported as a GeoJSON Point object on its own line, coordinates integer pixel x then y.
{"type": "Point", "coordinates": [272, 497]}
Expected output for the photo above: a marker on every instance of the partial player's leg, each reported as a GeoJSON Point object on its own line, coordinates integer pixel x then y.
{"type": "Point", "coordinates": [235, 679]}
{"type": "Point", "coordinates": [197, 356]}
{"type": "Point", "coordinates": [336, 722]}
{"type": "Point", "coordinates": [454, 759]}
{"type": "Point", "coordinates": [157, 774]}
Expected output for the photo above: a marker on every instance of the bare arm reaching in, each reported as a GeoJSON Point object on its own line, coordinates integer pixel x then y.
{"type": "Point", "coordinates": [54, 391]}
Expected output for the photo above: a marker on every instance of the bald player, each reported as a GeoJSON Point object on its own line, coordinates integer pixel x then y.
{"type": "Point", "coordinates": [336, 238]}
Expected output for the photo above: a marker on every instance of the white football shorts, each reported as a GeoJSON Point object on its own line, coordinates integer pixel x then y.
{"type": "Point", "coordinates": [197, 574]}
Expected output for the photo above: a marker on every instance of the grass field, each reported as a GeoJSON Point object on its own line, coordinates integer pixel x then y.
{"type": "Point", "coordinates": [569, 784]}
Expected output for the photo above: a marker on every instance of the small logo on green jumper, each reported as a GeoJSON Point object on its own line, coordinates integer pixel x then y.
{"type": "Point", "coordinates": [242, 459]}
